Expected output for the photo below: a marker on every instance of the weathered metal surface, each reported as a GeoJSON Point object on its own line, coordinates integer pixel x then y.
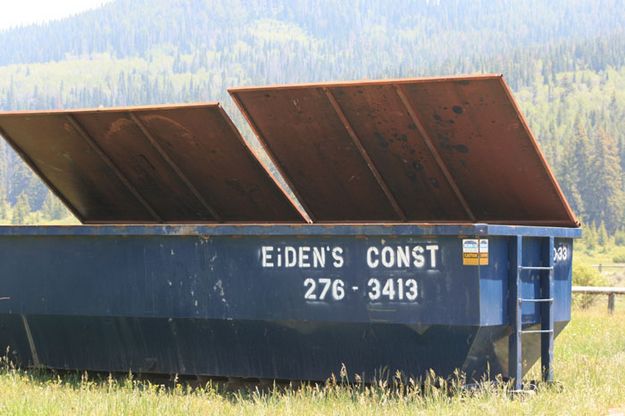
{"type": "Point", "coordinates": [238, 301]}
{"type": "Point", "coordinates": [437, 149]}
{"type": "Point", "coordinates": [148, 164]}
{"type": "Point", "coordinates": [289, 301]}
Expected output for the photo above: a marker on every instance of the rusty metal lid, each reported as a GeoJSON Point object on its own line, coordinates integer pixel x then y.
{"type": "Point", "coordinates": [160, 164]}
{"type": "Point", "coordinates": [453, 149]}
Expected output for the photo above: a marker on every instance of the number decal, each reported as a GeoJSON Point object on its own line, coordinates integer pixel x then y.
{"type": "Point", "coordinates": [311, 285]}
{"type": "Point", "coordinates": [412, 292]}
{"type": "Point", "coordinates": [400, 288]}
{"type": "Point", "coordinates": [318, 289]}
{"type": "Point", "coordinates": [560, 253]}
{"type": "Point", "coordinates": [324, 289]}
{"type": "Point", "coordinates": [393, 289]}
{"type": "Point", "coordinates": [326, 286]}
{"type": "Point", "coordinates": [374, 286]}
{"type": "Point", "coordinates": [338, 290]}
{"type": "Point", "coordinates": [389, 289]}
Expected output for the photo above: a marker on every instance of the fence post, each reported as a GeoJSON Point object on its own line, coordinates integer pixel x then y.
{"type": "Point", "coordinates": [611, 299]}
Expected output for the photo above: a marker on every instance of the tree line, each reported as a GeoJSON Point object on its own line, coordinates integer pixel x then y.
{"type": "Point", "coordinates": [566, 69]}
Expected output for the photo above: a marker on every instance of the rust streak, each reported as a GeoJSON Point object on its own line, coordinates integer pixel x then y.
{"type": "Point", "coordinates": [107, 160]}
{"type": "Point", "coordinates": [437, 157]}
{"type": "Point", "coordinates": [365, 155]}
{"type": "Point", "coordinates": [146, 133]}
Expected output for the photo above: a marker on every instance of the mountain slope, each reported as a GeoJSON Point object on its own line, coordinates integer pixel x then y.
{"type": "Point", "coordinates": [565, 59]}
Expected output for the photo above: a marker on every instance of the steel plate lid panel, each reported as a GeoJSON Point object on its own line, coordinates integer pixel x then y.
{"type": "Point", "coordinates": [318, 157]}
{"type": "Point", "coordinates": [454, 149]}
{"type": "Point", "coordinates": [183, 163]}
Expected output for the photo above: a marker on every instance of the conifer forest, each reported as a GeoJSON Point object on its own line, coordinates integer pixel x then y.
{"type": "Point", "coordinates": [564, 60]}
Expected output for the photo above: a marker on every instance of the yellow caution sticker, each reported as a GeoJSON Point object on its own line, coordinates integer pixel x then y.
{"type": "Point", "coordinates": [475, 252]}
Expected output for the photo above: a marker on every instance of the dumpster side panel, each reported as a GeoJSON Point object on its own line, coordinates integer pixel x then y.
{"type": "Point", "coordinates": [563, 278]}
{"type": "Point", "coordinates": [261, 303]}
{"type": "Point", "coordinates": [494, 279]}
{"type": "Point", "coordinates": [404, 280]}
{"type": "Point", "coordinates": [494, 282]}
{"type": "Point", "coordinates": [288, 307]}
{"type": "Point", "coordinates": [245, 348]}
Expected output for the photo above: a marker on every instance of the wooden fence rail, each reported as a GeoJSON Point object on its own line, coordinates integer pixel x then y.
{"type": "Point", "coordinates": [601, 266]}
{"type": "Point", "coordinates": [602, 290]}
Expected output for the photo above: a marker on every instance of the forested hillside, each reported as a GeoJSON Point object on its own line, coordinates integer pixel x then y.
{"type": "Point", "coordinates": [565, 61]}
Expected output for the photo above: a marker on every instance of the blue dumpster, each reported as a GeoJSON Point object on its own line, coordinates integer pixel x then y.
{"type": "Point", "coordinates": [399, 225]}
{"type": "Point", "coordinates": [276, 302]}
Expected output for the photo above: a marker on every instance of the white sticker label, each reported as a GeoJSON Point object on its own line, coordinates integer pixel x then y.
{"type": "Point", "coordinates": [475, 251]}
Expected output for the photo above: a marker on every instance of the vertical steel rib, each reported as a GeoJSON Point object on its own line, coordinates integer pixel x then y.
{"type": "Point", "coordinates": [107, 160]}
{"type": "Point", "coordinates": [515, 340]}
{"type": "Point", "coordinates": [301, 202]}
{"type": "Point", "coordinates": [31, 342]}
{"type": "Point", "coordinates": [154, 143]}
{"type": "Point", "coordinates": [437, 157]}
{"type": "Point", "coordinates": [33, 166]}
{"type": "Point", "coordinates": [256, 159]}
{"type": "Point", "coordinates": [547, 319]}
{"type": "Point", "coordinates": [365, 155]}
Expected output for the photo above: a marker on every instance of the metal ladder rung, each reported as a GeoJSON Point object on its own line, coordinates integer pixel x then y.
{"type": "Point", "coordinates": [546, 303]}
{"type": "Point", "coordinates": [536, 300]}
{"type": "Point", "coordinates": [537, 331]}
{"type": "Point", "coordinates": [535, 267]}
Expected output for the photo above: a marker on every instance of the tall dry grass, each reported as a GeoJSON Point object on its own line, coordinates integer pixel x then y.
{"type": "Point", "coordinates": [589, 367]}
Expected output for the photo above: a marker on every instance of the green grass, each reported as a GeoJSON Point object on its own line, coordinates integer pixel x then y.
{"type": "Point", "coordinates": [590, 369]}
{"type": "Point", "coordinates": [613, 271]}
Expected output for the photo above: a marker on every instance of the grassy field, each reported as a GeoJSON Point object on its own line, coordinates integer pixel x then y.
{"type": "Point", "coordinates": [590, 369]}
{"type": "Point", "coordinates": [611, 257]}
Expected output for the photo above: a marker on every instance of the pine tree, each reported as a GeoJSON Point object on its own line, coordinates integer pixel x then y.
{"type": "Point", "coordinates": [36, 192]}
{"type": "Point", "coordinates": [602, 235]}
{"type": "Point", "coordinates": [574, 169]}
{"type": "Point", "coordinates": [589, 237]}
{"type": "Point", "coordinates": [4, 207]}
{"type": "Point", "coordinates": [53, 209]}
{"type": "Point", "coordinates": [606, 186]}
{"type": "Point", "coordinates": [21, 210]}
{"type": "Point", "coordinates": [19, 178]}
